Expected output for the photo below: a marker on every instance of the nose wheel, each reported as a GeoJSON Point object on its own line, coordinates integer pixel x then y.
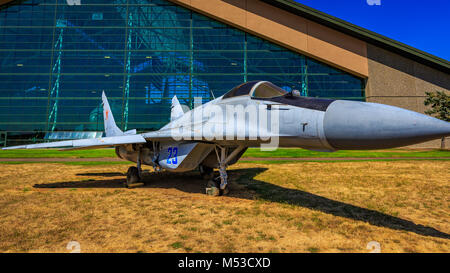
{"type": "Point", "coordinates": [213, 188]}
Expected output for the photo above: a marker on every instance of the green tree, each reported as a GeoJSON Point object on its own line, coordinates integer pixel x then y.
{"type": "Point", "coordinates": [439, 103]}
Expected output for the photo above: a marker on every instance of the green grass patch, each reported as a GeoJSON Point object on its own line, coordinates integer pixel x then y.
{"type": "Point", "coordinates": [341, 160]}
{"type": "Point", "coordinates": [16, 162]}
{"type": "Point", "coordinates": [313, 249]}
{"type": "Point", "coordinates": [302, 153]}
{"type": "Point", "coordinates": [94, 163]}
{"type": "Point", "coordinates": [78, 163]}
{"type": "Point", "coordinates": [54, 153]}
{"type": "Point", "coordinates": [251, 152]}
{"type": "Point", "coordinates": [176, 245]}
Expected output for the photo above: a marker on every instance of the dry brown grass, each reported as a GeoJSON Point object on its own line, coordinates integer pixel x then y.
{"type": "Point", "coordinates": [298, 207]}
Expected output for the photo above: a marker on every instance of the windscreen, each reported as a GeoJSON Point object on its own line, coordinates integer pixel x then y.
{"type": "Point", "coordinates": [241, 90]}
{"type": "Point", "coordinates": [268, 90]}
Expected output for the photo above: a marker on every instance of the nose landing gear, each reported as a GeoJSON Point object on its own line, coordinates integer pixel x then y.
{"type": "Point", "coordinates": [215, 188]}
{"type": "Point", "coordinates": [212, 188]}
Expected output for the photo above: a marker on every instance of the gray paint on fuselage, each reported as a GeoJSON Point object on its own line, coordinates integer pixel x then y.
{"type": "Point", "coordinates": [354, 125]}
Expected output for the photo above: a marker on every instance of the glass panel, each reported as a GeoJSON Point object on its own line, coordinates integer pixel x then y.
{"type": "Point", "coordinates": [268, 90]}
{"type": "Point", "coordinates": [56, 59]}
{"type": "Point", "coordinates": [241, 90]}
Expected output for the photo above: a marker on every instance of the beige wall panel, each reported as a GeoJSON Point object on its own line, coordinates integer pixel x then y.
{"type": "Point", "coordinates": [277, 25]}
{"type": "Point", "coordinates": [336, 47]}
{"type": "Point", "coordinates": [393, 77]}
{"type": "Point", "coordinates": [435, 144]}
{"type": "Point", "coordinates": [398, 81]}
{"type": "Point", "coordinates": [381, 81]}
{"type": "Point", "coordinates": [288, 30]}
{"type": "Point", "coordinates": [409, 103]}
{"type": "Point", "coordinates": [384, 66]}
{"type": "Point", "coordinates": [429, 79]}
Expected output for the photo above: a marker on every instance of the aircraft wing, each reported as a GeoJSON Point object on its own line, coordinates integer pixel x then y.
{"type": "Point", "coordinates": [162, 134]}
{"type": "Point", "coordinates": [91, 143]}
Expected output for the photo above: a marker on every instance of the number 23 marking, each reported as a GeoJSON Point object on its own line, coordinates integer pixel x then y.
{"type": "Point", "coordinates": [172, 158]}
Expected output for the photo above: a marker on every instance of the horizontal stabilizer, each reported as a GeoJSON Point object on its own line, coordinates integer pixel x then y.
{"type": "Point", "coordinates": [130, 132]}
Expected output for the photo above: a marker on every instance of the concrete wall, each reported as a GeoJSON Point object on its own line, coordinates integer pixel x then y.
{"type": "Point", "coordinates": [399, 81]}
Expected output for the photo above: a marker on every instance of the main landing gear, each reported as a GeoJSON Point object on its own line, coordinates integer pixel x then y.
{"type": "Point", "coordinates": [213, 187]}
{"type": "Point", "coordinates": [134, 174]}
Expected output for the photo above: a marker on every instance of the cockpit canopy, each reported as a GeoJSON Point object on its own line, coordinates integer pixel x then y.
{"type": "Point", "coordinates": [256, 89]}
{"type": "Point", "coordinates": [267, 91]}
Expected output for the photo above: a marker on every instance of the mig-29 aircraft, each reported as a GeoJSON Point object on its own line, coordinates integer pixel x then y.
{"type": "Point", "coordinates": [258, 113]}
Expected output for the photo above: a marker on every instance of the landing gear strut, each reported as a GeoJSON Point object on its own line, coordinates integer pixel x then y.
{"type": "Point", "coordinates": [213, 187]}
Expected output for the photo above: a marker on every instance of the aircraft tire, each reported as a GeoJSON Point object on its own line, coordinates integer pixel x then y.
{"type": "Point", "coordinates": [132, 176]}
{"type": "Point", "coordinates": [212, 188]}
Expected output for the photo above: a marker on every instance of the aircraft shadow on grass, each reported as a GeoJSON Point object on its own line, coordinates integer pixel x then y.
{"type": "Point", "coordinates": [191, 183]}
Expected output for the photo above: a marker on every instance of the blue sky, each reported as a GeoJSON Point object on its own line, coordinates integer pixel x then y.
{"type": "Point", "coordinates": [423, 24]}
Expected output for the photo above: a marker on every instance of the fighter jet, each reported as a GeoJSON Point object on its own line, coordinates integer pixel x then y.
{"type": "Point", "coordinates": [216, 134]}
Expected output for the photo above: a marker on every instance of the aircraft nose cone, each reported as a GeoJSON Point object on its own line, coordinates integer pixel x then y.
{"type": "Point", "coordinates": [350, 125]}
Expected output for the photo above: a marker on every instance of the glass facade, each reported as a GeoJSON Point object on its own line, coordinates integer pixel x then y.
{"type": "Point", "coordinates": [57, 56]}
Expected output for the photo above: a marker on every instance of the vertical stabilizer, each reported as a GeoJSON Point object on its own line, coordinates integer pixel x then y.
{"type": "Point", "coordinates": [111, 128]}
{"type": "Point", "coordinates": [176, 109]}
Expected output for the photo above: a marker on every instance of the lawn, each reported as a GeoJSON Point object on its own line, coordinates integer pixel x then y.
{"type": "Point", "coordinates": [302, 153]}
{"type": "Point", "coordinates": [291, 207]}
{"type": "Point", "coordinates": [54, 153]}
